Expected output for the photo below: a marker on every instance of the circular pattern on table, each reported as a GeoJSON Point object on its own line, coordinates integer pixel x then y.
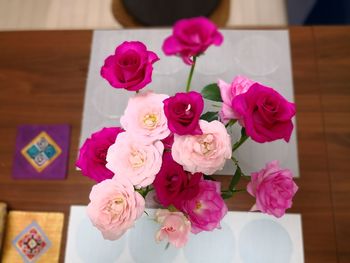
{"type": "Point", "coordinates": [143, 246]}
{"type": "Point", "coordinates": [253, 156]}
{"type": "Point", "coordinates": [211, 246]}
{"type": "Point", "coordinates": [257, 55]}
{"type": "Point", "coordinates": [263, 241]}
{"type": "Point", "coordinates": [162, 84]}
{"type": "Point", "coordinates": [110, 102]}
{"type": "Point", "coordinates": [92, 247]}
{"type": "Point", "coordinates": [215, 60]}
{"type": "Point", "coordinates": [168, 65]}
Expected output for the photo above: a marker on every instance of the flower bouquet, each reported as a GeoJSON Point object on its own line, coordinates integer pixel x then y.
{"type": "Point", "coordinates": [168, 147]}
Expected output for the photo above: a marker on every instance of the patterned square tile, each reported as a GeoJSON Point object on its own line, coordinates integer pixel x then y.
{"type": "Point", "coordinates": [31, 242]}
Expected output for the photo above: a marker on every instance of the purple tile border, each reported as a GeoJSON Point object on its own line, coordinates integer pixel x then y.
{"type": "Point", "coordinates": [56, 170]}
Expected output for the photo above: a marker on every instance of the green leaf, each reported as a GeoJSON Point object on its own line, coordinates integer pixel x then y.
{"type": "Point", "coordinates": [243, 133]}
{"type": "Point", "coordinates": [210, 116]}
{"type": "Point", "coordinates": [235, 179]}
{"type": "Point", "coordinates": [212, 92]}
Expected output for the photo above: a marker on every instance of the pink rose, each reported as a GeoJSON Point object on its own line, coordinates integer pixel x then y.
{"type": "Point", "coordinates": [144, 117]}
{"type": "Point", "coordinates": [191, 37]}
{"type": "Point", "coordinates": [204, 153]}
{"type": "Point", "coordinates": [130, 67]}
{"type": "Point", "coordinates": [92, 156]}
{"type": "Point", "coordinates": [134, 159]}
{"type": "Point", "coordinates": [114, 206]}
{"type": "Point", "coordinates": [183, 112]}
{"type": "Point", "coordinates": [205, 210]}
{"type": "Point", "coordinates": [175, 227]}
{"type": "Point", "coordinates": [173, 184]}
{"type": "Point", "coordinates": [265, 114]}
{"type": "Point", "coordinates": [273, 188]}
{"type": "Point", "coordinates": [239, 85]}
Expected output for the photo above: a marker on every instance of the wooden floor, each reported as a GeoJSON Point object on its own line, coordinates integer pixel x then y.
{"type": "Point", "coordinates": [96, 14]}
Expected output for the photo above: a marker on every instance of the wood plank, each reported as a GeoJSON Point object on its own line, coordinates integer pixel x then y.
{"type": "Point", "coordinates": [314, 197]}
{"type": "Point", "coordinates": [42, 80]}
{"type": "Point", "coordinates": [333, 50]}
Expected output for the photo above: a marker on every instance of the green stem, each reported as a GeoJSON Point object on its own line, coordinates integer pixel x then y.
{"type": "Point", "coordinates": [230, 123]}
{"type": "Point", "coordinates": [235, 179]}
{"type": "Point", "coordinates": [234, 160]}
{"type": "Point", "coordinates": [239, 190]}
{"type": "Point", "coordinates": [188, 87]}
{"type": "Point", "coordinates": [144, 191]}
{"type": "Point", "coordinates": [243, 138]}
{"type": "Point", "coordinates": [227, 194]}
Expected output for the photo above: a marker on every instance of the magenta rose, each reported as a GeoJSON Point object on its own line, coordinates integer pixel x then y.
{"type": "Point", "coordinates": [130, 67]}
{"type": "Point", "coordinates": [191, 37]}
{"type": "Point", "coordinates": [173, 184]}
{"type": "Point", "coordinates": [183, 112]}
{"type": "Point", "coordinates": [207, 208]}
{"type": "Point", "coordinates": [273, 188]}
{"type": "Point", "coordinates": [266, 115]}
{"type": "Point", "coordinates": [92, 156]}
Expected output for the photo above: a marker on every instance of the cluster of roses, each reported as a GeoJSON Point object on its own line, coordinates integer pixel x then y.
{"type": "Point", "coordinates": [168, 145]}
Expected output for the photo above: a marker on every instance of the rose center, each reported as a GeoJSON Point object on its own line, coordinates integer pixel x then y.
{"type": "Point", "coordinates": [150, 121]}
{"type": "Point", "coordinates": [198, 205]}
{"type": "Point", "coordinates": [188, 109]}
{"type": "Point", "coordinates": [136, 158]}
{"type": "Point", "coordinates": [169, 229]}
{"type": "Point", "coordinates": [115, 206]}
{"type": "Point", "coordinates": [207, 144]}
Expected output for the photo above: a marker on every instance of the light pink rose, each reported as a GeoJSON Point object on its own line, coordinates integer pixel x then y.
{"type": "Point", "coordinates": [204, 153]}
{"type": "Point", "coordinates": [144, 117]}
{"type": "Point", "coordinates": [136, 160]}
{"type": "Point", "coordinates": [114, 206]}
{"type": "Point", "coordinates": [239, 85]}
{"type": "Point", "coordinates": [175, 227]}
{"type": "Point", "coordinates": [273, 188]}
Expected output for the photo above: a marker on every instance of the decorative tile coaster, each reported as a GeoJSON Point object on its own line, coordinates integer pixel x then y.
{"type": "Point", "coordinates": [3, 213]}
{"type": "Point", "coordinates": [41, 152]}
{"type": "Point", "coordinates": [32, 237]}
{"type": "Point", "coordinates": [31, 243]}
